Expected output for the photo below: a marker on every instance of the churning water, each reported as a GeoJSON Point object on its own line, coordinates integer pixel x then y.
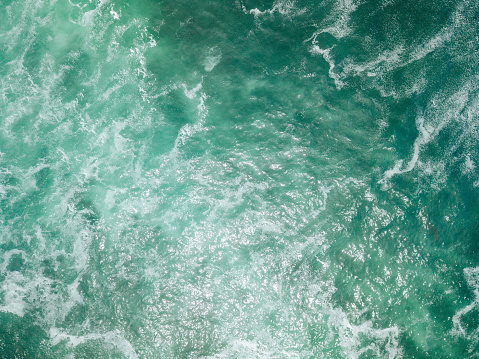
{"type": "Point", "coordinates": [239, 179]}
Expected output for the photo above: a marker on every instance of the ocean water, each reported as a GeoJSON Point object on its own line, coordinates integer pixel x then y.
{"type": "Point", "coordinates": [239, 179]}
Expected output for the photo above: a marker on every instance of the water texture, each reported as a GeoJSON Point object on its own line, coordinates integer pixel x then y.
{"type": "Point", "coordinates": [239, 179]}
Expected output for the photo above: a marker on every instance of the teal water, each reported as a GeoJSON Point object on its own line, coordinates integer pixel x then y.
{"type": "Point", "coordinates": [239, 179]}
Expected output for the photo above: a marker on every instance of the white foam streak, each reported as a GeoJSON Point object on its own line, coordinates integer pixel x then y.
{"type": "Point", "coordinates": [243, 349]}
{"type": "Point", "coordinates": [88, 17]}
{"type": "Point", "coordinates": [114, 338]}
{"type": "Point", "coordinates": [6, 258]}
{"type": "Point", "coordinates": [341, 15]}
{"type": "Point", "coordinates": [472, 278]}
{"type": "Point", "coordinates": [440, 112]}
{"type": "Point", "coordinates": [388, 60]}
{"type": "Point", "coordinates": [191, 94]}
{"type": "Point", "coordinates": [316, 50]}
{"type": "Point", "coordinates": [423, 138]}
{"type": "Point", "coordinates": [189, 130]}
{"type": "Point", "coordinates": [350, 334]}
{"type": "Point", "coordinates": [14, 294]}
{"type": "Point", "coordinates": [431, 45]}
{"type": "Point", "coordinates": [81, 247]}
{"type": "Point", "coordinates": [115, 15]}
{"type": "Point", "coordinates": [282, 7]}
{"type": "Point", "coordinates": [212, 59]}
{"type": "Point", "coordinates": [21, 293]}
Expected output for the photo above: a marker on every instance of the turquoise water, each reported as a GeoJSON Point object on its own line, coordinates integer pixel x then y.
{"type": "Point", "coordinates": [239, 179]}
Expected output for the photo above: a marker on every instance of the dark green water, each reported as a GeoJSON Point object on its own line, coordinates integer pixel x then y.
{"type": "Point", "coordinates": [239, 179]}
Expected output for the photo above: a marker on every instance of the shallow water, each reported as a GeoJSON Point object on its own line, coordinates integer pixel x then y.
{"type": "Point", "coordinates": [239, 179]}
